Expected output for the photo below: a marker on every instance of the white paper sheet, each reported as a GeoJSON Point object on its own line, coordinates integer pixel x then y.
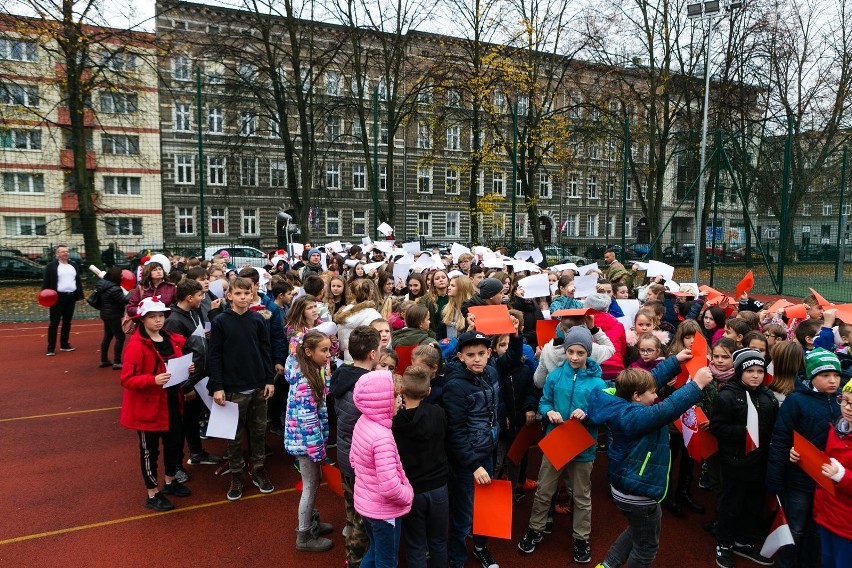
{"type": "Point", "coordinates": [179, 369]}
{"type": "Point", "coordinates": [566, 266]}
{"type": "Point", "coordinates": [366, 241]}
{"type": "Point", "coordinates": [656, 268]}
{"type": "Point", "coordinates": [296, 250]}
{"type": "Point", "coordinates": [457, 250]}
{"type": "Point", "coordinates": [583, 270]}
{"type": "Point", "coordinates": [334, 246]}
{"type": "Point", "coordinates": [545, 314]}
{"type": "Point", "coordinates": [537, 256]}
{"type": "Point", "coordinates": [203, 394]}
{"type": "Point", "coordinates": [626, 322]}
{"type": "Point", "coordinates": [328, 328]}
{"type": "Point", "coordinates": [585, 285]}
{"type": "Point", "coordinates": [385, 246]}
{"type": "Point", "coordinates": [411, 248]}
{"type": "Point", "coordinates": [495, 262]}
{"type": "Point", "coordinates": [351, 262]}
{"type": "Point", "coordinates": [223, 420]}
{"type": "Point", "coordinates": [216, 288]}
{"type": "Point", "coordinates": [368, 268]}
{"type": "Point", "coordinates": [629, 308]}
{"type": "Point", "coordinates": [385, 229]}
{"type": "Point", "coordinates": [536, 286]}
{"type": "Point", "coordinates": [401, 268]}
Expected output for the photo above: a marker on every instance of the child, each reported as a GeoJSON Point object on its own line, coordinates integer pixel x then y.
{"type": "Point", "coordinates": [565, 300]}
{"type": "Point", "coordinates": [651, 352]}
{"type": "Point", "coordinates": [645, 321]}
{"type": "Point", "coordinates": [751, 318]}
{"type": "Point", "coordinates": [566, 394]}
{"type": "Point", "coordinates": [614, 330]}
{"type": "Point", "coordinates": [736, 329]}
{"type": "Point", "coordinates": [417, 330]}
{"type": "Point", "coordinates": [388, 360]}
{"type": "Point", "coordinates": [382, 491]}
{"type": "Point", "coordinates": [712, 324]}
{"type": "Point", "coordinates": [638, 456]}
{"type": "Point", "coordinates": [315, 286]}
{"type": "Point", "coordinates": [787, 362]}
{"type": "Point", "coordinates": [336, 294]}
{"type": "Point", "coordinates": [813, 333]}
{"type": "Point", "coordinates": [241, 372]}
{"type": "Point", "coordinates": [621, 291]}
{"type": "Point", "coordinates": [809, 410]}
{"type": "Point", "coordinates": [420, 433]}
{"type": "Point", "coordinates": [364, 349]}
{"type": "Point", "coordinates": [150, 409]}
{"type": "Point", "coordinates": [553, 353]}
{"type": "Point", "coordinates": [832, 513]}
{"type": "Point", "coordinates": [307, 431]}
{"type": "Point", "coordinates": [384, 330]}
{"type": "Point", "coordinates": [429, 357]}
{"type": "Point", "coordinates": [815, 312]}
{"type": "Point", "coordinates": [472, 402]}
{"type": "Point", "coordinates": [743, 466]}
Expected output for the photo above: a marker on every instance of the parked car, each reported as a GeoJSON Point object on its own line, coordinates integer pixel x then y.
{"type": "Point", "coordinates": [18, 269]}
{"type": "Point", "coordinates": [641, 250]}
{"type": "Point", "coordinates": [740, 253]}
{"type": "Point", "coordinates": [240, 255]}
{"type": "Point", "coordinates": [597, 253]}
{"type": "Point", "coordinates": [578, 260]}
{"type": "Point", "coordinates": [818, 253]}
{"type": "Point", "coordinates": [683, 256]}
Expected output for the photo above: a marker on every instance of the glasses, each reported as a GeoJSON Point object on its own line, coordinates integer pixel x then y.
{"type": "Point", "coordinates": [647, 351]}
{"type": "Point", "coordinates": [843, 402]}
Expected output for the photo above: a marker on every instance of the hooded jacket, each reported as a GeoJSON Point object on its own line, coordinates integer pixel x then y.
{"type": "Point", "coordinates": [350, 317]}
{"type": "Point", "coordinates": [420, 435]}
{"type": "Point", "coordinates": [411, 336]}
{"type": "Point", "coordinates": [382, 490]}
{"type": "Point", "coordinates": [342, 386]}
{"type": "Point", "coordinates": [517, 387]}
{"type": "Point", "coordinates": [553, 354]}
{"type": "Point", "coordinates": [247, 364]}
{"type": "Point", "coordinates": [615, 331]}
{"type": "Point", "coordinates": [113, 299]}
{"type": "Point", "coordinates": [834, 512]}
{"type": "Point", "coordinates": [185, 323]}
{"type": "Point", "coordinates": [306, 422]}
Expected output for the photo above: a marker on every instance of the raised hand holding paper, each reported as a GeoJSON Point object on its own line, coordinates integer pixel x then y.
{"type": "Point", "coordinates": [492, 320]}
{"type": "Point", "coordinates": [535, 286]}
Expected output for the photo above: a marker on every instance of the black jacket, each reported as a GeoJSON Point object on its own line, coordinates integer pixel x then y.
{"type": "Point", "coordinates": [239, 353]}
{"type": "Point", "coordinates": [113, 299]}
{"type": "Point", "coordinates": [185, 323]}
{"type": "Point", "coordinates": [517, 387]}
{"type": "Point", "coordinates": [342, 386]}
{"type": "Point", "coordinates": [730, 412]}
{"type": "Point", "coordinates": [420, 435]}
{"type": "Point", "coordinates": [51, 278]}
{"type": "Point", "coordinates": [532, 313]}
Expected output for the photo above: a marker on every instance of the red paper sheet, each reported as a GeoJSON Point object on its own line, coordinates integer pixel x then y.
{"type": "Point", "coordinates": [492, 509]}
{"type": "Point", "coordinates": [711, 292]}
{"type": "Point", "coordinates": [332, 477]}
{"type": "Point", "coordinates": [530, 434]}
{"type": "Point", "coordinates": [707, 443]}
{"type": "Point", "coordinates": [492, 320]}
{"type": "Point", "coordinates": [404, 355]}
{"type": "Point", "coordinates": [780, 305]}
{"type": "Point", "coordinates": [820, 300]}
{"type": "Point", "coordinates": [799, 311]}
{"type": "Point", "coordinates": [545, 330]}
{"type": "Point", "coordinates": [744, 285]}
{"type": "Point", "coordinates": [812, 460]}
{"type": "Point", "coordinates": [573, 312]}
{"type": "Point", "coordinates": [844, 313]}
{"type": "Point", "coordinates": [565, 442]}
{"type": "Point", "coordinates": [682, 378]}
{"type": "Point", "coordinates": [699, 355]}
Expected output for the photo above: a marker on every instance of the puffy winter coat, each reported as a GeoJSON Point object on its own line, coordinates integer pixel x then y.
{"type": "Point", "coordinates": [834, 512]}
{"type": "Point", "coordinates": [382, 490]}
{"type": "Point", "coordinates": [564, 303]}
{"type": "Point", "coordinates": [517, 387]}
{"type": "Point", "coordinates": [553, 354]}
{"type": "Point", "coordinates": [410, 336]}
{"type": "Point", "coordinates": [144, 403]}
{"type": "Point", "coordinates": [615, 331]}
{"type": "Point", "coordinates": [350, 317]}
{"type": "Point", "coordinates": [306, 425]}
{"type": "Point", "coordinates": [113, 299]}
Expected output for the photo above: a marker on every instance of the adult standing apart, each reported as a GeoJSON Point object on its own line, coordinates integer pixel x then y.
{"type": "Point", "coordinates": [617, 274]}
{"type": "Point", "coordinates": [61, 276]}
{"type": "Point", "coordinates": [153, 283]}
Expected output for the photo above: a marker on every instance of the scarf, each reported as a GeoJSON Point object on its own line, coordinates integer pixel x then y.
{"type": "Point", "coordinates": [721, 376]}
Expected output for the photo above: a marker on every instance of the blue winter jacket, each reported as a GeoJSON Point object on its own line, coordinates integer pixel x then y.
{"type": "Point", "coordinates": [275, 326]}
{"type": "Point", "coordinates": [567, 389]}
{"type": "Point", "coordinates": [639, 457]}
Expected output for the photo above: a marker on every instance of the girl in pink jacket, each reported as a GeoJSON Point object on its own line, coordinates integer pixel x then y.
{"type": "Point", "coordinates": [382, 492]}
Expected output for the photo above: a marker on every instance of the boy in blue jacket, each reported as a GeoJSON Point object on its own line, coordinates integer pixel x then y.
{"type": "Point", "coordinates": [639, 455]}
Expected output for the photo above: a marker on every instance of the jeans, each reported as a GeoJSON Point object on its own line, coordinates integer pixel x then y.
{"type": "Point", "coordinates": [461, 514]}
{"type": "Point", "coordinates": [112, 330]}
{"type": "Point", "coordinates": [62, 310]}
{"type": "Point", "coordinates": [798, 507]}
{"type": "Point", "coordinates": [425, 529]}
{"type": "Point", "coordinates": [836, 550]}
{"type": "Point", "coordinates": [384, 543]}
{"type": "Point", "coordinates": [639, 542]}
{"type": "Point", "coordinates": [252, 420]}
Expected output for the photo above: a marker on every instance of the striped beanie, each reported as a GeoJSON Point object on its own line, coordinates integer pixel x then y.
{"type": "Point", "coordinates": [819, 361]}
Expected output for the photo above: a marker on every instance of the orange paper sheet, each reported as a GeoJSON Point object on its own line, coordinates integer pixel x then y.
{"type": "Point", "coordinates": [844, 313]}
{"type": "Point", "coordinates": [699, 355]}
{"type": "Point", "coordinates": [492, 320]}
{"type": "Point", "coordinates": [545, 330]}
{"type": "Point", "coordinates": [573, 312]}
{"type": "Point", "coordinates": [681, 378]}
{"type": "Point", "coordinates": [492, 509]}
{"type": "Point", "coordinates": [780, 305]}
{"type": "Point", "coordinates": [707, 443]}
{"type": "Point", "coordinates": [799, 311]}
{"type": "Point", "coordinates": [820, 300]}
{"type": "Point", "coordinates": [530, 434]}
{"type": "Point", "coordinates": [744, 285]}
{"type": "Point", "coordinates": [711, 292]}
{"type": "Point", "coordinates": [404, 354]}
{"type": "Point", "coordinates": [332, 477]}
{"type": "Point", "coordinates": [565, 442]}
{"type": "Point", "coordinates": [812, 460]}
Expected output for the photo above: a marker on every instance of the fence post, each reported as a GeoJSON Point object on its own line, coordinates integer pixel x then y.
{"type": "Point", "coordinates": [716, 151]}
{"type": "Point", "coordinates": [624, 174]}
{"type": "Point", "coordinates": [785, 196]}
{"type": "Point", "coordinates": [841, 223]}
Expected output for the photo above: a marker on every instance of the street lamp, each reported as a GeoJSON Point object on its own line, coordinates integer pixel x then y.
{"type": "Point", "coordinates": [710, 10]}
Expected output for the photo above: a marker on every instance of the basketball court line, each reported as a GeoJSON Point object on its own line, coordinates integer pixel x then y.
{"type": "Point", "coordinates": [59, 414]}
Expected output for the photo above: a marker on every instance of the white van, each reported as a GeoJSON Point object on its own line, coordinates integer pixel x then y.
{"type": "Point", "coordinates": [240, 255]}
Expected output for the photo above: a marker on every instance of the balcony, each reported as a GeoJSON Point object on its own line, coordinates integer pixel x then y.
{"type": "Point", "coordinates": [70, 201]}
{"type": "Point", "coordinates": [66, 159]}
{"type": "Point", "coordinates": [63, 117]}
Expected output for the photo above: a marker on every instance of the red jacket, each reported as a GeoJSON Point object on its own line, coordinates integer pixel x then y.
{"type": "Point", "coordinates": [834, 513]}
{"type": "Point", "coordinates": [144, 405]}
{"type": "Point", "coordinates": [615, 331]}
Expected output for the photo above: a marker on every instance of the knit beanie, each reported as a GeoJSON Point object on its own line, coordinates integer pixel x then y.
{"type": "Point", "coordinates": [314, 251]}
{"type": "Point", "coordinates": [745, 358]}
{"type": "Point", "coordinates": [490, 287]}
{"type": "Point", "coordinates": [579, 335]}
{"type": "Point", "coordinates": [598, 302]}
{"type": "Point", "coordinates": [819, 361]}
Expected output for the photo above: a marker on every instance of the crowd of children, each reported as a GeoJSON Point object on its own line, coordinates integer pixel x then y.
{"type": "Point", "coordinates": [310, 349]}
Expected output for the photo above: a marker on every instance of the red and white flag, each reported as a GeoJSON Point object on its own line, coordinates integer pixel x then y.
{"type": "Point", "coordinates": [752, 441]}
{"type": "Point", "coordinates": [779, 534]}
{"type": "Point", "coordinates": [689, 423]}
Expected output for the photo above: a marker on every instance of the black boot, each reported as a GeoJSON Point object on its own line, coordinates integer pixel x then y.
{"type": "Point", "coordinates": [686, 499]}
{"type": "Point", "coordinates": [672, 506]}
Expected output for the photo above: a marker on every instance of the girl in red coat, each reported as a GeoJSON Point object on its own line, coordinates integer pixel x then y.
{"type": "Point", "coordinates": [153, 411]}
{"type": "Point", "coordinates": [833, 513]}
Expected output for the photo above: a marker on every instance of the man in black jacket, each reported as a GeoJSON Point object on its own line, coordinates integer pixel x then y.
{"type": "Point", "coordinates": [61, 276]}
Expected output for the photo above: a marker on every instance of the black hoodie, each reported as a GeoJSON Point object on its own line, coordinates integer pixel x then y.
{"type": "Point", "coordinates": [420, 435]}
{"type": "Point", "coordinates": [342, 385]}
{"type": "Point", "coordinates": [238, 353]}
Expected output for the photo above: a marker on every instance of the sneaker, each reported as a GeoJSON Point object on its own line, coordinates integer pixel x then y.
{"type": "Point", "coordinates": [68, 348]}
{"type": "Point", "coordinates": [116, 366]}
{"type": "Point", "coordinates": [203, 459]}
{"type": "Point", "coordinates": [548, 525]}
{"type": "Point", "coordinates": [177, 489]}
{"type": "Point", "coordinates": [485, 558]}
{"type": "Point", "coordinates": [181, 476]}
{"type": "Point", "coordinates": [261, 481]}
{"type": "Point", "coordinates": [159, 503]}
{"type": "Point", "coordinates": [532, 538]}
{"type": "Point", "coordinates": [582, 551]}
{"type": "Point", "coordinates": [236, 490]}
{"type": "Point", "coordinates": [752, 553]}
{"type": "Point", "coordinates": [105, 364]}
{"type": "Point", "coordinates": [50, 354]}
{"type": "Point", "coordinates": [529, 485]}
{"type": "Point", "coordinates": [724, 558]}
{"type": "Point", "coordinates": [277, 429]}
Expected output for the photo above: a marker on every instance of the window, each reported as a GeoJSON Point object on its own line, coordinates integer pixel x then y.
{"type": "Point", "coordinates": [454, 138]}
{"type": "Point", "coordinates": [120, 144]}
{"type": "Point", "coordinates": [519, 187]}
{"type": "Point", "coordinates": [180, 67]}
{"type": "Point", "coordinates": [572, 225]}
{"type": "Point", "coordinates": [424, 96]}
{"type": "Point", "coordinates": [499, 101]}
{"type": "Point", "coordinates": [182, 117]}
{"type": "Point", "coordinates": [357, 131]}
{"type": "Point", "coordinates": [332, 83]}
{"type": "Point", "coordinates": [544, 185]}
{"type": "Point", "coordinates": [123, 226]}
{"type": "Point", "coordinates": [383, 178]}
{"type": "Point", "coordinates": [17, 139]}
{"type": "Point", "coordinates": [333, 127]}
{"type": "Point", "coordinates": [19, 95]}
{"type": "Point", "coordinates": [277, 173]}
{"type": "Point", "coordinates": [179, 24]}
{"type": "Point", "coordinates": [644, 188]}
{"type": "Point", "coordinates": [215, 121]}
{"type": "Point", "coordinates": [594, 151]}
{"type": "Point", "coordinates": [332, 222]}
{"type": "Point", "coordinates": [424, 136]}
{"type": "Point", "coordinates": [184, 169]}
{"type": "Point", "coordinates": [480, 183]}
{"type": "Point", "coordinates": [610, 187]}
{"type": "Point", "coordinates": [25, 226]}
{"type": "Point", "coordinates": [523, 105]}
{"type": "Point", "coordinates": [118, 60]}
{"type": "Point", "coordinates": [826, 209]}
{"type": "Point", "coordinates": [216, 170]}
{"type": "Point", "coordinates": [499, 183]}
{"type": "Point", "coordinates": [274, 126]}
{"type": "Point", "coordinates": [383, 89]}
{"type": "Point", "coordinates": [120, 185]}
{"type": "Point", "coordinates": [306, 80]}
{"type": "Point", "coordinates": [806, 209]}
{"type": "Point", "coordinates": [424, 224]}
{"type": "Point", "coordinates": [185, 220]}
{"type": "Point", "coordinates": [499, 221]}
{"type": "Point", "coordinates": [248, 171]}
{"type": "Point", "coordinates": [573, 185]}
{"type": "Point", "coordinates": [23, 183]}
{"type": "Point", "coordinates": [521, 225]}
{"type": "Point", "coordinates": [628, 226]}
{"type": "Point", "coordinates": [592, 187]}
{"type": "Point", "coordinates": [359, 223]}
{"type": "Point", "coordinates": [629, 191]}
{"type": "Point", "coordinates": [452, 226]}
{"type": "Point", "coordinates": [424, 179]}
{"type": "Point", "coordinates": [359, 177]}
{"type": "Point", "coordinates": [610, 225]}
{"type": "Point", "coordinates": [215, 73]}
{"type": "Point", "coordinates": [250, 222]}
{"type": "Point", "coordinates": [451, 186]}
{"type": "Point", "coordinates": [847, 209]}
{"type": "Point", "coordinates": [218, 221]}
{"type": "Point", "coordinates": [332, 175]}
{"type": "Point", "coordinates": [384, 135]}
{"type": "Point", "coordinates": [453, 98]}
{"type": "Point", "coordinates": [18, 50]}
{"type": "Point", "coordinates": [119, 103]}
{"type": "Point", "coordinates": [246, 72]}
{"type": "Point", "coordinates": [248, 123]}
{"type": "Point", "coordinates": [592, 226]}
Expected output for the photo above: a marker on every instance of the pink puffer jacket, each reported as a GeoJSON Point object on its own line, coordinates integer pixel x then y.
{"type": "Point", "coordinates": [382, 490]}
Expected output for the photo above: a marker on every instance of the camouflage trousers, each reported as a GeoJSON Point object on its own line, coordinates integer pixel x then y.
{"type": "Point", "coordinates": [357, 540]}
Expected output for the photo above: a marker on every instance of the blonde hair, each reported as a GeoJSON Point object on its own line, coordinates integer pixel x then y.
{"type": "Point", "coordinates": [452, 313]}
